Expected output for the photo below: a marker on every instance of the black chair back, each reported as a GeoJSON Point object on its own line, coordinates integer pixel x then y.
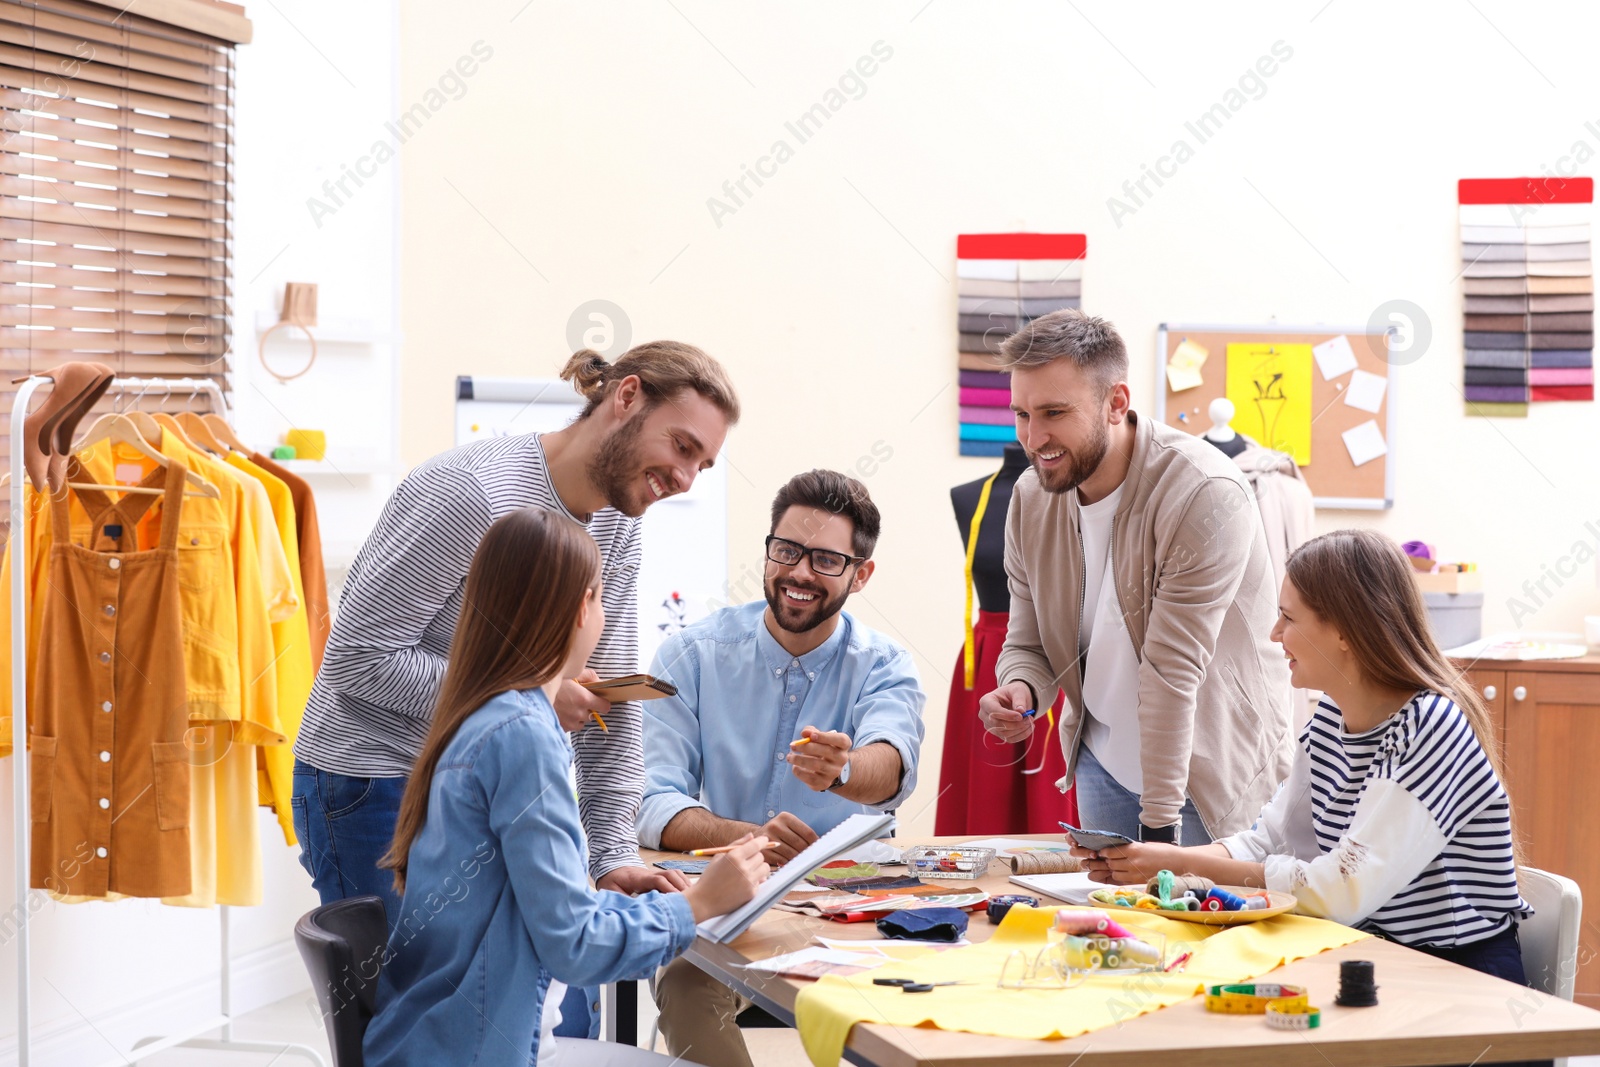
{"type": "Point", "coordinates": [343, 945]}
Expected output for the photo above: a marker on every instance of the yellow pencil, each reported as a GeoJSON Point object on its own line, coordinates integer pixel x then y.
{"type": "Point", "coordinates": [720, 849]}
{"type": "Point", "coordinates": [802, 741]}
{"type": "Point", "coordinates": [603, 727]}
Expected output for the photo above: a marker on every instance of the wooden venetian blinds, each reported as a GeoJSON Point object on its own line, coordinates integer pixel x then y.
{"type": "Point", "coordinates": [115, 159]}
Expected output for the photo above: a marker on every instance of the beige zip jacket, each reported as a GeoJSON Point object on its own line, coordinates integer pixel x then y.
{"type": "Point", "coordinates": [1194, 581]}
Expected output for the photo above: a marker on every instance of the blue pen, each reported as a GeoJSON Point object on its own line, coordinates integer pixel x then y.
{"type": "Point", "coordinates": [1030, 713]}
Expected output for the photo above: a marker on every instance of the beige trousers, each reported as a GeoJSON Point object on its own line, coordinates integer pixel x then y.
{"type": "Point", "coordinates": [699, 1016]}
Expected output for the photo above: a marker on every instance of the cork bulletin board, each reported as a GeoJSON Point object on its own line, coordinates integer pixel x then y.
{"type": "Point", "coordinates": [1336, 480]}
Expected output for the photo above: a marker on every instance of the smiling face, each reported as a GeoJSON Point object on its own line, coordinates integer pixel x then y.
{"type": "Point", "coordinates": [800, 598]}
{"type": "Point", "coordinates": [657, 451]}
{"type": "Point", "coordinates": [1319, 658]}
{"type": "Point", "coordinates": [1064, 418]}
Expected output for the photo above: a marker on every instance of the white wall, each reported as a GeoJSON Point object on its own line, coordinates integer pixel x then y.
{"type": "Point", "coordinates": [136, 968]}
{"type": "Point", "coordinates": [580, 162]}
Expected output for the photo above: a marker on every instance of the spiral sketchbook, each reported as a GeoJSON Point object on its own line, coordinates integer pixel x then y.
{"type": "Point", "coordinates": [850, 834]}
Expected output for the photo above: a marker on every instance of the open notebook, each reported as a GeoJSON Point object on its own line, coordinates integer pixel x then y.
{"type": "Point", "coordinates": [1074, 888]}
{"type": "Point", "coordinates": [847, 835]}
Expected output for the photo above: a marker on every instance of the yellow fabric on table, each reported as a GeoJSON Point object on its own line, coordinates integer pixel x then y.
{"type": "Point", "coordinates": [826, 1010]}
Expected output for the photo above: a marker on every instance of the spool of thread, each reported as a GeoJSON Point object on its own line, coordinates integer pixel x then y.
{"type": "Point", "coordinates": [1357, 988]}
{"type": "Point", "coordinates": [1222, 900]}
{"type": "Point", "coordinates": [1135, 951]}
{"type": "Point", "coordinates": [1256, 904]}
{"type": "Point", "coordinates": [1084, 922]}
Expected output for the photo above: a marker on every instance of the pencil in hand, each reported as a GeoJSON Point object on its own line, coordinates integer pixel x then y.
{"type": "Point", "coordinates": [603, 727]}
{"type": "Point", "coordinates": [802, 741]}
{"type": "Point", "coordinates": [720, 849]}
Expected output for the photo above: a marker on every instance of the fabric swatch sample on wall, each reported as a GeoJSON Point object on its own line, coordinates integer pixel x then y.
{"type": "Point", "coordinates": [1528, 313]}
{"type": "Point", "coordinates": [1003, 282]}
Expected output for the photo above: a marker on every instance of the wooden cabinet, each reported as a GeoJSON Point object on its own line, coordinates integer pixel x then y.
{"type": "Point", "coordinates": [1547, 714]}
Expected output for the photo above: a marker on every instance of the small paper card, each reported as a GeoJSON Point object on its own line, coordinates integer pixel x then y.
{"type": "Point", "coordinates": [1365, 442]}
{"type": "Point", "coordinates": [1366, 391]}
{"type": "Point", "coordinates": [1335, 357]}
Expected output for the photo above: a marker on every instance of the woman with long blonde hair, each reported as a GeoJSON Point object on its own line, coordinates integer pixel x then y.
{"type": "Point", "coordinates": [1395, 817]}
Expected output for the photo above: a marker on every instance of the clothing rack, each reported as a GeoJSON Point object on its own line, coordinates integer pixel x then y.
{"type": "Point", "coordinates": [19, 762]}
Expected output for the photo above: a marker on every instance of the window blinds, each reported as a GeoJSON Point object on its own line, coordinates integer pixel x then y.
{"type": "Point", "coordinates": [115, 159]}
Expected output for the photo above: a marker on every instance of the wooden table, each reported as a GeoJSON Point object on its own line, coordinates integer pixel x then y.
{"type": "Point", "coordinates": [1429, 1012]}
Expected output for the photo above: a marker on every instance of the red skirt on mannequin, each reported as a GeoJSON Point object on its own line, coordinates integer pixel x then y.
{"type": "Point", "coordinates": [987, 786]}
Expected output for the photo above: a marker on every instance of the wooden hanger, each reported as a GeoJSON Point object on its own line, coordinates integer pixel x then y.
{"type": "Point", "coordinates": [173, 426]}
{"type": "Point", "coordinates": [120, 430]}
{"type": "Point", "coordinates": [224, 433]}
{"type": "Point", "coordinates": [148, 428]}
{"type": "Point", "coordinates": [200, 433]}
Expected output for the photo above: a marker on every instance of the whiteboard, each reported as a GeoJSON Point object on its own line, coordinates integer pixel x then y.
{"type": "Point", "coordinates": [684, 572]}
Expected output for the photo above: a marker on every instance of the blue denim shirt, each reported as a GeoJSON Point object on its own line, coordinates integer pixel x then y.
{"type": "Point", "coordinates": [498, 902]}
{"type": "Point", "coordinates": [721, 742]}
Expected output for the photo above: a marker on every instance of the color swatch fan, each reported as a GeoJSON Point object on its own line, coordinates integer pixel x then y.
{"type": "Point", "coordinates": [1006, 280]}
{"type": "Point", "coordinates": [1529, 284]}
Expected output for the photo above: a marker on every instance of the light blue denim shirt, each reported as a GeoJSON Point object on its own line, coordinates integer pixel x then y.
{"type": "Point", "coordinates": [498, 902]}
{"type": "Point", "coordinates": [721, 742]}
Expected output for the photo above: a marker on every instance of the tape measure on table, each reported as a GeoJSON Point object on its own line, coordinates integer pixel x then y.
{"type": "Point", "coordinates": [1252, 998]}
{"type": "Point", "coordinates": [1289, 1015]}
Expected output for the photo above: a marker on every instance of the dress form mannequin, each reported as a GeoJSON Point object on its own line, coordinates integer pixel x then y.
{"type": "Point", "coordinates": [1221, 434]}
{"type": "Point", "coordinates": [989, 561]}
{"type": "Point", "coordinates": [987, 786]}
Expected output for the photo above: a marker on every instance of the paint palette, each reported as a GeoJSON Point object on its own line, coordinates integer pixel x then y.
{"type": "Point", "coordinates": [1279, 904]}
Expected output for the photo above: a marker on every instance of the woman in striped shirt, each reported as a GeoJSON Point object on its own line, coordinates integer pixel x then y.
{"type": "Point", "coordinates": [1394, 818]}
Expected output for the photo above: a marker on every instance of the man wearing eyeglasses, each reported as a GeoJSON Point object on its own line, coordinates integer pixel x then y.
{"type": "Point", "coordinates": [790, 717]}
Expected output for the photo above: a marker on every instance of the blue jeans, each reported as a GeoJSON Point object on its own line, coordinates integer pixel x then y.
{"type": "Point", "coordinates": [345, 825]}
{"type": "Point", "coordinates": [1104, 805]}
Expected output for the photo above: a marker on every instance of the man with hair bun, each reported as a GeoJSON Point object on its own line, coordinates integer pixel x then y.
{"type": "Point", "coordinates": [651, 422]}
{"type": "Point", "coordinates": [790, 717]}
{"type": "Point", "coordinates": [1142, 587]}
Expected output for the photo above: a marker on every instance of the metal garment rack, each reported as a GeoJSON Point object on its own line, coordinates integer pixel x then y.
{"type": "Point", "coordinates": [19, 761]}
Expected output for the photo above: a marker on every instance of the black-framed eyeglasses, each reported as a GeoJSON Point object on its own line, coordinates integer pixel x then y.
{"type": "Point", "coordinates": [824, 561]}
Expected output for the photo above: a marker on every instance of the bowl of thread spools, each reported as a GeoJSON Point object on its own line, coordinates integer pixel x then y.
{"type": "Point", "coordinates": [1089, 941]}
{"type": "Point", "coordinates": [1194, 899]}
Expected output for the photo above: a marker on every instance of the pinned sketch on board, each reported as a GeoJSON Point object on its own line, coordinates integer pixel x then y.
{"type": "Point", "coordinates": [1365, 442]}
{"type": "Point", "coordinates": [1270, 386]}
{"type": "Point", "coordinates": [1366, 391]}
{"type": "Point", "coordinates": [1335, 357]}
{"type": "Point", "coordinates": [1183, 369]}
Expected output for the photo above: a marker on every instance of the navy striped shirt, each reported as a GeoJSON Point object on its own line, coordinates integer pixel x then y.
{"type": "Point", "coordinates": [373, 699]}
{"type": "Point", "coordinates": [1469, 890]}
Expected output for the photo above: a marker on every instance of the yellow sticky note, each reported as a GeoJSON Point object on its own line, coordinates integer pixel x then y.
{"type": "Point", "coordinates": [1270, 386]}
{"type": "Point", "coordinates": [1189, 354]}
{"type": "Point", "coordinates": [1183, 369]}
{"type": "Point", "coordinates": [1181, 378]}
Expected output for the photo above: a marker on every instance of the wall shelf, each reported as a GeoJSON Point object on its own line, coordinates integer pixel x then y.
{"type": "Point", "coordinates": [328, 331]}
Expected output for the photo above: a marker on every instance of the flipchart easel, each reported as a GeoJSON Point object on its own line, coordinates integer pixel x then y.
{"type": "Point", "coordinates": [189, 1038]}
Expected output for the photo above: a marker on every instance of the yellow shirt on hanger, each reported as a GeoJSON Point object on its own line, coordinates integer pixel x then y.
{"type": "Point", "coordinates": [291, 638]}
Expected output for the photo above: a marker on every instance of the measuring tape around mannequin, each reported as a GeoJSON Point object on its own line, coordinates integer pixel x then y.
{"type": "Point", "coordinates": [969, 650]}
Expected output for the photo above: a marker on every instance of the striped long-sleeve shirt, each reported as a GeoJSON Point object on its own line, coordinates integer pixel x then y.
{"type": "Point", "coordinates": [1403, 830]}
{"type": "Point", "coordinates": [373, 699]}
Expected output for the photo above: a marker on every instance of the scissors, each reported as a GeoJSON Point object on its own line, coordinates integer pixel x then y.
{"type": "Point", "coordinates": [908, 985]}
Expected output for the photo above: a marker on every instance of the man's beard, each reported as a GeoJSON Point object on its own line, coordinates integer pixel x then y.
{"type": "Point", "coordinates": [1080, 466]}
{"type": "Point", "coordinates": [615, 469]}
{"type": "Point", "coordinates": [797, 618]}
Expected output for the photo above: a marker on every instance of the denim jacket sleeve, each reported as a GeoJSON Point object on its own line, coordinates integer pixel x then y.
{"type": "Point", "coordinates": [583, 936]}
{"type": "Point", "coordinates": [889, 711]}
{"type": "Point", "coordinates": [671, 742]}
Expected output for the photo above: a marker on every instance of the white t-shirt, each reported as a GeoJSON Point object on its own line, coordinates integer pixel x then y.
{"type": "Point", "coordinates": [1111, 669]}
{"type": "Point", "coordinates": [548, 1022]}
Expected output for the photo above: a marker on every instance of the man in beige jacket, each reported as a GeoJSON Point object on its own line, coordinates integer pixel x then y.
{"type": "Point", "coordinates": [1142, 587]}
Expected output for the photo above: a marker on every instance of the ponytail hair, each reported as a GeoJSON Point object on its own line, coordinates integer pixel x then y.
{"type": "Point", "coordinates": [664, 369]}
